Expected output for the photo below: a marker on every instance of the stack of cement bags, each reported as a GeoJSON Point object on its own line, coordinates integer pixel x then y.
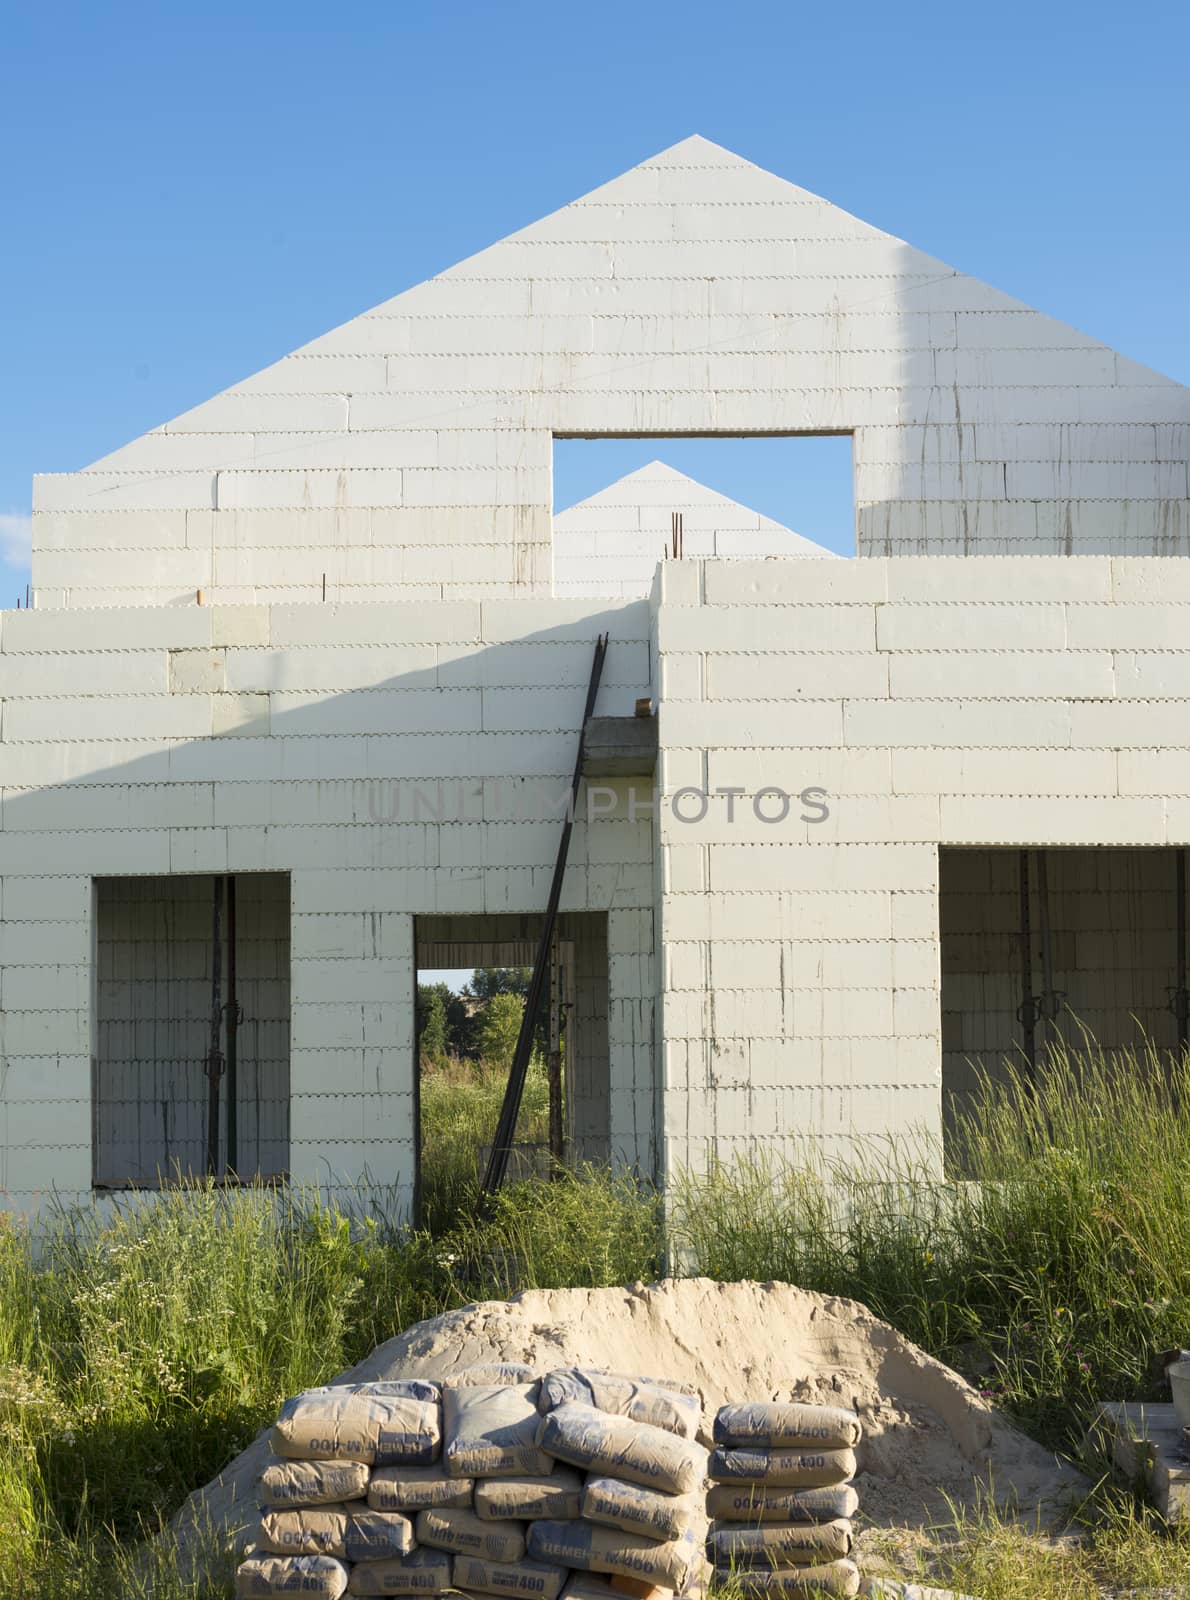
{"type": "Point", "coordinates": [640, 1521]}
{"type": "Point", "coordinates": [324, 1530]}
{"type": "Point", "coordinates": [580, 1485]}
{"type": "Point", "coordinates": [781, 1499]}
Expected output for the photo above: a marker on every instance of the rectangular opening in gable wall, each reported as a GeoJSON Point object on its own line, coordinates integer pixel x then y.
{"type": "Point", "coordinates": [472, 974]}
{"type": "Point", "coordinates": [743, 498]}
{"type": "Point", "coordinates": [191, 1038]}
{"type": "Point", "coordinates": [1038, 945]}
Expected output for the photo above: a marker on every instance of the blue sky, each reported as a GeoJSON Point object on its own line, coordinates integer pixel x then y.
{"type": "Point", "coordinates": [191, 191]}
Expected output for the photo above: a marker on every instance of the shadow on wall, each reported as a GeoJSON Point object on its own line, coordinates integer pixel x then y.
{"type": "Point", "coordinates": [434, 788]}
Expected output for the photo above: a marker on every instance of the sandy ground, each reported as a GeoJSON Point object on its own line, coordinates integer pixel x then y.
{"type": "Point", "coordinates": [929, 1441]}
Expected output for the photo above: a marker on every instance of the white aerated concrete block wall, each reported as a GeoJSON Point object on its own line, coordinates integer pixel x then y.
{"type": "Point", "coordinates": [1004, 702]}
{"type": "Point", "coordinates": [407, 455]}
{"type": "Point", "coordinates": [394, 760]}
{"type": "Point", "coordinates": [610, 543]}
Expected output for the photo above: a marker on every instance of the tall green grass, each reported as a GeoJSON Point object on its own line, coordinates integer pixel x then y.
{"type": "Point", "coordinates": [1049, 1271]}
{"type": "Point", "coordinates": [460, 1108]}
{"type": "Point", "coordinates": [138, 1353]}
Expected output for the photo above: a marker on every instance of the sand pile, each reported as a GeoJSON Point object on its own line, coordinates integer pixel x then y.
{"type": "Point", "coordinates": [928, 1437]}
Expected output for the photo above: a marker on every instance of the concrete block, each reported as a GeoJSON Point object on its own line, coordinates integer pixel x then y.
{"type": "Point", "coordinates": [45, 988]}
{"type": "Point", "coordinates": [1153, 771]}
{"type": "Point", "coordinates": [43, 943]}
{"type": "Point", "coordinates": [1002, 675]}
{"type": "Point", "coordinates": [1152, 675]}
{"type": "Point", "coordinates": [240, 715]}
{"type": "Point", "coordinates": [734, 628]}
{"type": "Point", "coordinates": [805, 581]}
{"type": "Point", "coordinates": [681, 677]}
{"type": "Point", "coordinates": [753, 964]}
{"type": "Point", "coordinates": [684, 869]}
{"type": "Point", "coordinates": [839, 771]}
{"type": "Point", "coordinates": [915, 916]}
{"type": "Point", "coordinates": [961, 626]}
{"type": "Point", "coordinates": [95, 673]}
{"type": "Point", "coordinates": [197, 671]}
{"type": "Point", "coordinates": [991, 772]}
{"type": "Point", "coordinates": [45, 898]}
{"type": "Point", "coordinates": [789, 914]}
{"type": "Point", "coordinates": [1027, 579]}
{"type": "Point", "coordinates": [117, 491]}
{"type": "Point", "coordinates": [792, 677]}
{"type": "Point", "coordinates": [681, 583]}
{"type": "Point", "coordinates": [333, 667]}
{"type": "Point", "coordinates": [108, 717]}
{"type": "Point", "coordinates": [757, 722]}
{"type": "Point", "coordinates": [975, 723]}
{"type": "Point", "coordinates": [828, 868]}
{"type": "Point", "coordinates": [1159, 579]}
{"type": "Point", "coordinates": [374, 711]}
{"type": "Point", "coordinates": [1128, 627]}
{"type": "Point", "coordinates": [1127, 723]}
{"type": "Point", "coordinates": [1046, 820]}
{"type": "Point", "coordinates": [329, 624]}
{"type": "Point", "coordinates": [239, 627]}
{"type": "Point", "coordinates": [122, 629]}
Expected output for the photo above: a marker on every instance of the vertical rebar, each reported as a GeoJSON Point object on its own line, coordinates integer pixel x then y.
{"type": "Point", "coordinates": [215, 1054]}
{"type": "Point", "coordinates": [1048, 1007]}
{"type": "Point", "coordinates": [232, 1158]}
{"type": "Point", "coordinates": [1028, 1007]}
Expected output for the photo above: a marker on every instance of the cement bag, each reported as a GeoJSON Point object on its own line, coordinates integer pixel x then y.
{"type": "Point", "coordinates": [490, 1431]}
{"type": "Point", "coordinates": [415, 1488]}
{"type": "Point", "coordinates": [801, 1469]}
{"type": "Point", "coordinates": [798, 1583]}
{"type": "Point", "coordinates": [320, 1576]}
{"type": "Point", "coordinates": [490, 1374]}
{"type": "Point", "coordinates": [466, 1534]}
{"type": "Point", "coordinates": [594, 1549]}
{"type": "Point", "coordinates": [615, 1447]}
{"type": "Point", "coordinates": [318, 1531]}
{"type": "Point", "coordinates": [377, 1535]}
{"type": "Point", "coordinates": [385, 1389]}
{"type": "Point", "coordinates": [632, 1509]}
{"type": "Point", "coordinates": [341, 1425]}
{"type": "Point", "coordinates": [556, 1495]}
{"type": "Point", "coordinates": [311, 1483]}
{"type": "Point", "coordinates": [534, 1579]}
{"type": "Point", "coordinates": [796, 1426]}
{"type": "Point", "coordinates": [622, 1397]}
{"type": "Point", "coordinates": [753, 1503]}
{"type": "Point", "coordinates": [797, 1544]}
{"type": "Point", "coordinates": [423, 1572]}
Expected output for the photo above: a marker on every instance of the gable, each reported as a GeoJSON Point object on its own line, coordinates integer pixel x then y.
{"type": "Point", "coordinates": [609, 544]}
{"type": "Point", "coordinates": [408, 452]}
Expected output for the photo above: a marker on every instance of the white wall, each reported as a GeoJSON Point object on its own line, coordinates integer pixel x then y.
{"type": "Point", "coordinates": [611, 542]}
{"type": "Point", "coordinates": [408, 453]}
{"type": "Point", "coordinates": [293, 738]}
{"type": "Point", "coordinates": [980, 702]}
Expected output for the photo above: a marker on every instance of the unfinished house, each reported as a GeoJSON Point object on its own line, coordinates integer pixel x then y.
{"type": "Point", "coordinates": [306, 668]}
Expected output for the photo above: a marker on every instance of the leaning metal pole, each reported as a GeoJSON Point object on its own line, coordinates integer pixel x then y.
{"type": "Point", "coordinates": [497, 1166]}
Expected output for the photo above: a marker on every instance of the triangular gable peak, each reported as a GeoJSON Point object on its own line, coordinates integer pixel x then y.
{"type": "Point", "coordinates": [609, 544]}
{"type": "Point", "coordinates": [408, 453]}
